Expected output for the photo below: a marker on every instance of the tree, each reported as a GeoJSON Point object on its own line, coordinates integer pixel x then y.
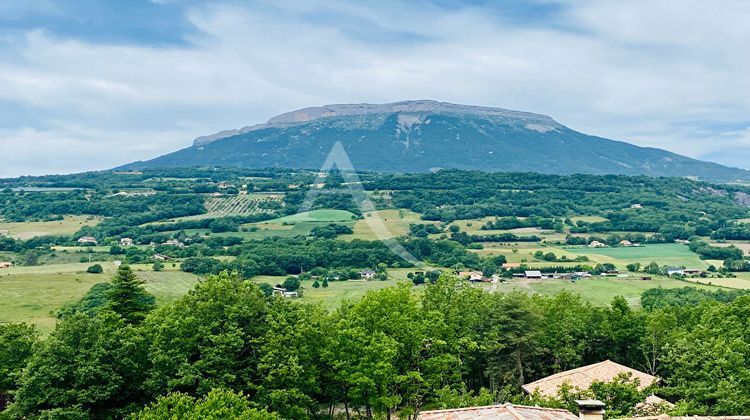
{"type": "Point", "coordinates": [95, 269]}
{"type": "Point", "coordinates": [89, 367]}
{"type": "Point", "coordinates": [291, 284]}
{"type": "Point", "coordinates": [634, 267]}
{"type": "Point", "coordinates": [216, 405]}
{"type": "Point", "coordinates": [316, 284]}
{"type": "Point", "coordinates": [158, 266]}
{"type": "Point", "coordinates": [127, 297]}
{"type": "Point", "coordinates": [206, 339]}
{"type": "Point", "coordinates": [325, 282]}
{"type": "Point", "coordinates": [16, 341]}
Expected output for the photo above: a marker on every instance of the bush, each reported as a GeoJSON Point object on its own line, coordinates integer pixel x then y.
{"type": "Point", "coordinates": [95, 269]}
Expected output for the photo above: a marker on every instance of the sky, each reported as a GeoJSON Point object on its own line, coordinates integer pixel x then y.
{"type": "Point", "coordinates": [90, 85]}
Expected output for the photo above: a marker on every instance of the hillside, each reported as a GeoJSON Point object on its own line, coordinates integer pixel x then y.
{"type": "Point", "coordinates": [420, 136]}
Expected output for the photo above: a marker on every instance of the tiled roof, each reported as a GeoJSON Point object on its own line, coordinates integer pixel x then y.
{"type": "Point", "coordinates": [502, 412]}
{"type": "Point", "coordinates": [668, 417]}
{"type": "Point", "coordinates": [582, 378]}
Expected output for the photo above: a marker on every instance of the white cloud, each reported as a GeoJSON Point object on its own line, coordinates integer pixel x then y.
{"type": "Point", "coordinates": [642, 71]}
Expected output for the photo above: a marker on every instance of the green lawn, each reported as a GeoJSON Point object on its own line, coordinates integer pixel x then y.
{"type": "Point", "coordinates": [597, 290]}
{"type": "Point", "coordinates": [68, 226]}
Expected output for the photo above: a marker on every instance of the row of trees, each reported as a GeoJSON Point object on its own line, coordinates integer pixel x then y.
{"type": "Point", "coordinates": [226, 346]}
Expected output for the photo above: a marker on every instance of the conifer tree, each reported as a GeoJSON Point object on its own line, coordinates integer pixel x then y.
{"type": "Point", "coordinates": [127, 297]}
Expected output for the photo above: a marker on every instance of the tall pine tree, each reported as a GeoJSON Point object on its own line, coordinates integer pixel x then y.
{"type": "Point", "coordinates": [128, 298]}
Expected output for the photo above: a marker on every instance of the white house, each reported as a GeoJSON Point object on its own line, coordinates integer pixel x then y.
{"type": "Point", "coordinates": [126, 242]}
{"type": "Point", "coordinates": [87, 240]}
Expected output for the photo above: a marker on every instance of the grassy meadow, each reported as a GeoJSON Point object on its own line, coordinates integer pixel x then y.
{"type": "Point", "coordinates": [597, 290]}
{"type": "Point", "coordinates": [34, 294]}
{"type": "Point", "coordinates": [68, 226]}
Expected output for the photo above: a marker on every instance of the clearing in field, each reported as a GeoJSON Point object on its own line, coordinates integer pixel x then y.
{"type": "Point", "coordinates": [68, 226]}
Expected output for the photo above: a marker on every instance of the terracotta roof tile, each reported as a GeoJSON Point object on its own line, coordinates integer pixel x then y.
{"type": "Point", "coordinates": [582, 378]}
{"type": "Point", "coordinates": [502, 412]}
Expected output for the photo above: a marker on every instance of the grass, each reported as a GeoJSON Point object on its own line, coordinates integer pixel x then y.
{"type": "Point", "coordinates": [329, 216]}
{"type": "Point", "coordinates": [34, 294]}
{"type": "Point", "coordinates": [68, 226]}
{"type": "Point", "coordinates": [395, 223]}
{"type": "Point", "coordinates": [664, 254]}
{"type": "Point", "coordinates": [597, 290]}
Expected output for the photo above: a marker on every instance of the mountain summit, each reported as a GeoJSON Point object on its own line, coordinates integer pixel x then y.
{"type": "Point", "coordinates": [424, 135]}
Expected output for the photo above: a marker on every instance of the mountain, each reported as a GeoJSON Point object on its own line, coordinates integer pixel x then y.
{"type": "Point", "coordinates": [418, 136]}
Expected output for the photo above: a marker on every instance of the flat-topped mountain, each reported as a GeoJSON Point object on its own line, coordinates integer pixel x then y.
{"type": "Point", "coordinates": [418, 136]}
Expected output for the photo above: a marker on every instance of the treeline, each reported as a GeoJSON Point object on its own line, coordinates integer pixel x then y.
{"type": "Point", "coordinates": [283, 256]}
{"type": "Point", "coordinates": [389, 353]}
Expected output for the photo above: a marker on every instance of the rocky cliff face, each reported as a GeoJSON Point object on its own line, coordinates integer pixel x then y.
{"type": "Point", "coordinates": [534, 121]}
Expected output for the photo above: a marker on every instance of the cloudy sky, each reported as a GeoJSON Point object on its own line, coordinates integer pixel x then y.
{"type": "Point", "coordinates": [88, 84]}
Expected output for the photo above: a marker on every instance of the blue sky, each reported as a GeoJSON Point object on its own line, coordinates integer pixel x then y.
{"type": "Point", "coordinates": [90, 84]}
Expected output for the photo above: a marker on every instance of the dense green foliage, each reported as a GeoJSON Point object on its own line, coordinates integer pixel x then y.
{"type": "Point", "coordinates": [387, 353]}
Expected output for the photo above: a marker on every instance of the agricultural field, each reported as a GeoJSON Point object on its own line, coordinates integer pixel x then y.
{"type": "Point", "coordinates": [676, 255]}
{"type": "Point", "coordinates": [665, 254]}
{"type": "Point", "coordinates": [395, 223]}
{"type": "Point", "coordinates": [34, 294]}
{"type": "Point", "coordinates": [236, 205]}
{"type": "Point", "coordinates": [296, 224]}
{"type": "Point", "coordinates": [68, 226]}
{"type": "Point", "coordinates": [597, 290]}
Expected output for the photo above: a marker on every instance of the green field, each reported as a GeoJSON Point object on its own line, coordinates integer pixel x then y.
{"type": "Point", "coordinates": [68, 226]}
{"type": "Point", "coordinates": [665, 254]}
{"type": "Point", "coordinates": [393, 223]}
{"type": "Point", "coordinates": [597, 290]}
{"type": "Point", "coordinates": [34, 294]}
{"type": "Point", "coordinates": [330, 216]}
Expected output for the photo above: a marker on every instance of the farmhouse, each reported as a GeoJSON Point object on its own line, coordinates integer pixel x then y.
{"type": "Point", "coordinates": [596, 244]}
{"type": "Point", "coordinates": [532, 274]}
{"type": "Point", "coordinates": [280, 291]}
{"type": "Point", "coordinates": [671, 271]}
{"type": "Point", "coordinates": [510, 412]}
{"type": "Point", "coordinates": [367, 274]}
{"type": "Point", "coordinates": [3, 232]}
{"type": "Point", "coordinates": [87, 240]}
{"type": "Point", "coordinates": [626, 243]}
{"type": "Point", "coordinates": [511, 266]}
{"type": "Point", "coordinates": [6, 264]}
{"type": "Point", "coordinates": [471, 275]}
{"type": "Point", "coordinates": [126, 242]}
{"type": "Point", "coordinates": [637, 206]}
{"type": "Point", "coordinates": [174, 242]}
{"type": "Point", "coordinates": [583, 377]}
{"type": "Point", "coordinates": [692, 271]}
{"type": "Point", "coordinates": [162, 257]}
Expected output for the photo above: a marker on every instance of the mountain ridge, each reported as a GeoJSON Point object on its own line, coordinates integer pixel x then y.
{"type": "Point", "coordinates": [425, 135]}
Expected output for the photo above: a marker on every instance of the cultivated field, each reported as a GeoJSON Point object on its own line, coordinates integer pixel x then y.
{"type": "Point", "coordinates": [395, 223]}
{"type": "Point", "coordinates": [68, 226]}
{"type": "Point", "coordinates": [665, 254]}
